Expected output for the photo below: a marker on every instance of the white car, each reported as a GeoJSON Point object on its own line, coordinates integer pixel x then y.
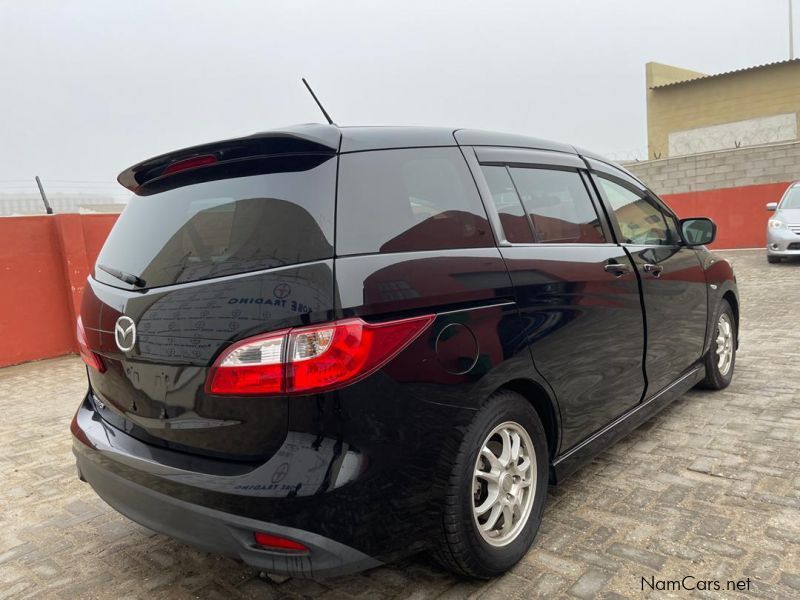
{"type": "Point", "coordinates": [783, 229]}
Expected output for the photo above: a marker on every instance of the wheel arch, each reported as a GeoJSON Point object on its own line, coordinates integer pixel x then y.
{"type": "Point", "coordinates": [545, 407]}
{"type": "Point", "coordinates": [734, 302]}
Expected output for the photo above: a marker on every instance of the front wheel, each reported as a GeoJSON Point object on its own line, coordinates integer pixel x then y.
{"type": "Point", "coordinates": [496, 491]}
{"type": "Point", "coordinates": [773, 259]}
{"type": "Point", "coordinates": [721, 357]}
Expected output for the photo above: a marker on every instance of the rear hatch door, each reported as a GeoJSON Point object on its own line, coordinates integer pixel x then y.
{"type": "Point", "coordinates": [197, 262]}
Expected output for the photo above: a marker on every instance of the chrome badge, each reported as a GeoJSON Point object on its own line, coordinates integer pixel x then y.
{"type": "Point", "coordinates": [125, 333]}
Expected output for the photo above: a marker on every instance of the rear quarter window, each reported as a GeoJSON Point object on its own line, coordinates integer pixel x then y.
{"type": "Point", "coordinates": [407, 200]}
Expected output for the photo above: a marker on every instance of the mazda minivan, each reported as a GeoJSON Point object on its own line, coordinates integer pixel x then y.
{"type": "Point", "coordinates": [320, 348]}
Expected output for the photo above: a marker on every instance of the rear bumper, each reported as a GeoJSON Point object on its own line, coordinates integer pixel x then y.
{"type": "Point", "coordinates": [359, 478]}
{"type": "Point", "coordinates": [219, 532]}
{"type": "Point", "coordinates": [106, 461]}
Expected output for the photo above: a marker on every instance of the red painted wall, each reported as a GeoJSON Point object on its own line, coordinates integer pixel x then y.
{"type": "Point", "coordinates": [740, 213]}
{"type": "Point", "coordinates": [44, 262]}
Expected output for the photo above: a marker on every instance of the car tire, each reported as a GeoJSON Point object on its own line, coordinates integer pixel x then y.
{"type": "Point", "coordinates": [718, 371]}
{"type": "Point", "coordinates": [773, 259]}
{"type": "Point", "coordinates": [461, 547]}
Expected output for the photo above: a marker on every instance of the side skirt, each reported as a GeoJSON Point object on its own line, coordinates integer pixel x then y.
{"type": "Point", "coordinates": [576, 457]}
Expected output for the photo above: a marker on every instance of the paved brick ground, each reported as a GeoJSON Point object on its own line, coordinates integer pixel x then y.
{"type": "Point", "coordinates": [710, 488]}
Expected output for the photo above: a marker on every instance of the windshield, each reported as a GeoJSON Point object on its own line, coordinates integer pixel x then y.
{"type": "Point", "coordinates": [224, 227]}
{"type": "Point", "coordinates": [792, 198]}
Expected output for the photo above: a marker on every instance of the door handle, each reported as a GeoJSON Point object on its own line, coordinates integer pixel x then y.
{"type": "Point", "coordinates": [654, 269]}
{"type": "Point", "coordinates": [616, 268]}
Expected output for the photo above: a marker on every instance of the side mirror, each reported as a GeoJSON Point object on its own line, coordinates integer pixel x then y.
{"type": "Point", "coordinates": [772, 206]}
{"type": "Point", "coordinates": [698, 231]}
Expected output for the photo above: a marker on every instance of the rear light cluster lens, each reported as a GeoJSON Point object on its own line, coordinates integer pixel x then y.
{"type": "Point", "coordinates": [275, 542]}
{"type": "Point", "coordinates": [190, 163]}
{"type": "Point", "coordinates": [90, 358]}
{"type": "Point", "coordinates": [311, 344]}
{"type": "Point", "coordinates": [254, 366]}
{"type": "Point", "coordinates": [311, 359]}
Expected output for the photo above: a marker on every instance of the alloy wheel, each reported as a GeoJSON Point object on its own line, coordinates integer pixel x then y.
{"type": "Point", "coordinates": [724, 344]}
{"type": "Point", "coordinates": [504, 483]}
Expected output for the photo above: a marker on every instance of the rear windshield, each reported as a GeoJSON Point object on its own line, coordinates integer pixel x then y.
{"type": "Point", "coordinates": [225, 227]}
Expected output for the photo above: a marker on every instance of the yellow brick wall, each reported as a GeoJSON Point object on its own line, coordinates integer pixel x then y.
{"type": "Point", "coordinates": [763, 92]}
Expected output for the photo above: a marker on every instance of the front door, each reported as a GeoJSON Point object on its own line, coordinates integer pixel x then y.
{"type": "Point", "coordinates": [673, 280]}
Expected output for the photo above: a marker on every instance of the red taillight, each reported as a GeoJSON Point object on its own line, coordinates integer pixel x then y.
{"type": "Point", "coordinates": [89, 357]}
{"type": "Point", "coordinates": [190, 163]}
{"type": "Point", "coordinates": [311, 359]}
{"type": "Point", "coordinates": [357, 350]}
{"type": "Point", "coordinates": [275, 542]}
{"type": "Point", "coordinates": [253, 366]}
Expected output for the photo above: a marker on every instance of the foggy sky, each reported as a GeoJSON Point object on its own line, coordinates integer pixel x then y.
{"type": "Point", "coordinates": [88, 88]}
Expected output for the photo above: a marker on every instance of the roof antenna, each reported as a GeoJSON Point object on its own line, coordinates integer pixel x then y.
{"type": "Point", "coordinates": [314, 96]}
{"type": "Point", "coordinates": [48, 209]}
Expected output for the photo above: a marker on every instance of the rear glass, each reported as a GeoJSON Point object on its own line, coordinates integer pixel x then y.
{"type": "Point", "coordinates": [225, 227]}
{"type": "Point", "coordinates": [406, 200]}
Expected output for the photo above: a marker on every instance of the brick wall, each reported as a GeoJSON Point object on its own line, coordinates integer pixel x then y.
{"type": "Point", "coordinates": [730, 186]}
{"type": "Point", "coordinates": [771, 163]}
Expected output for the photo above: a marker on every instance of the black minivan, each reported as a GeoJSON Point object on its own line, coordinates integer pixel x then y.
{"type": "Point", "coordinates": [321, 348]}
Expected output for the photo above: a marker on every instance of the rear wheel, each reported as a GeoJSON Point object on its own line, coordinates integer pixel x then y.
{"type": "Point", "coordinates": [721, 357]}
{"type": "Point", "coordinates": [496, 491]}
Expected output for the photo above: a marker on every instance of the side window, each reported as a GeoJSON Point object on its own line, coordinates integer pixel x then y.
{"type": "Point", "coordinates": [559, 206]}
{"type": "Point", "coordinates": [406, 200]}
{"type": "Point", "coordinates": [641, 220]}
{"type": "Point", "coordinates": [516, 226]}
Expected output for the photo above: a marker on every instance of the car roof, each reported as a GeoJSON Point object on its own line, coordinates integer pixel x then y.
{"type": "Point", "coordinates": [358, 138]}
{"type": "Point", "coordinates": [334, 138]}
{"type": "Point", "coordinates": [363, 138]}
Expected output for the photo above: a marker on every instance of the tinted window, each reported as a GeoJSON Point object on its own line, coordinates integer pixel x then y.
{"type": "Point", "coordinates": [404, 200]}
{"type": "Point", "coordinates": [559, 206]}
{"type": "Point", "coordinates": [226, 226]}
{"type": "Point", "coordinates": [640, 219]}
{"type": "Point", "coordinates": [515, 222]}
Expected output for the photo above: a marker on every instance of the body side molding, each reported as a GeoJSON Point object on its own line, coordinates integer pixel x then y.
{"type": "Point", "coordinates": [623, 425]}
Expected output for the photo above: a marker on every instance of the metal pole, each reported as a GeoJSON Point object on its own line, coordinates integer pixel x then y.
{"type": "Point", "coordinates": [791, 32]}
{"type": "Point", "coordinates": [47, 206]}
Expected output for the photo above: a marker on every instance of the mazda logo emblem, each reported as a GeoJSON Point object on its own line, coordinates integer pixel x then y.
{"type": "Point", "coordinates": [125, 333]}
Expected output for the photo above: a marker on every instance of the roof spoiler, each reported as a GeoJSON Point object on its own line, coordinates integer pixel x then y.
{"type": "Point", "coordinates": [302, 139]}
